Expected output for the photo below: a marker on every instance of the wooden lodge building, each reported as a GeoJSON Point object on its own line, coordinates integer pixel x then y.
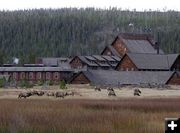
{"type": "Point", "coordinates": [149, 62]}
{"type": "Point", "coordinates": [130, 59]}
{"type": "Point", "coordinates": [132, 43]}
{"type": "Point", "coordinates": [117, 78]}
{"type": "Point", "coordinates": [94, 62]}
{"type": "Point", "coordinates": [34, 74]}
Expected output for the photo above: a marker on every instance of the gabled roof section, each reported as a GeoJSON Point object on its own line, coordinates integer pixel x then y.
{"type": "Point", "coordinates": [112, 49]}
{"type": "Point", "coordinates": [108, 58]}
{"type": "Point", "coordinates": [86, 61]}
{"type": "Point", "coordinates": [99, 57]}
{"type": "Point", "coordinates": [138, 43]}
{"type": "Point", "coordinates": [153, 61]}
{"type": "Point", "coordinates": [115, 78]}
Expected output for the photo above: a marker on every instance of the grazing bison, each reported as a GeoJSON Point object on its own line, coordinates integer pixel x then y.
{"type": "Point", "coordinates": [59, 94]}
{"type": "Point", "coordinates": [111, 93]}
{"type": "Point", "coordinates": [50, 94]}
{"type": "Point", "coordinates": [97, 88]}
{"type": "Point", "coordinates": [34, 92]}
{"type": "Point", "coordinates": [137, 92]}
{"type": "Point", "coordinates": [110, 89]}
{"type": "Point", "coordinates": [24, 95]}
{"type": "Point", "coordinates": [40, 93]}
{"type": "Point", "coordinates": [70, 93]}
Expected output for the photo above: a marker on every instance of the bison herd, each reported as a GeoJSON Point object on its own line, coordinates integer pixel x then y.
{"type": "Point", "coordinates": [111, 91]}
{"type": "Point", "coordinates": [61, 94]}
{"type": "Point", "coordinates": [41, 93]}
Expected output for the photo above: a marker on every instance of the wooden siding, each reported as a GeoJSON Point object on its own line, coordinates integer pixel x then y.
{"type": "Point", "coordinates": [80, 79]}
{"type": "Point", "coordinates": [126, 64]}
{"type": "Point", "coordinates": [176, 65]}
{"type": "Point", "coordinates": [174, 80]}
{"type": "Point", "coordinates": [76, 63]}
{"type": "Point", "coordinates": [120, 47]}
{"type": "Point", "coordinates": [37, 76]}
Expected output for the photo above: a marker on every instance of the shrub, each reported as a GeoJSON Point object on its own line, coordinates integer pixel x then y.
{"type": "Point", "coordinates": [2, 82]}
{"type": "Point", "coordinates": [25, 83]}
{"type": "Point", "coordinates": [49, 82]}
{"type": "Point", "coordinates": [62, 85]}
{"type": "Point", "coordinates": [40, 82]}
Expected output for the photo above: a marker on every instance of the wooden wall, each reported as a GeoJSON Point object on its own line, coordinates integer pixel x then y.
{"type": "Point", "coordinates": [76, 63]}
{"type": "Point", "coordinates": [38, 76]}
{"type": "Point", "coordinates": [80, 79]}
{"type": "Point", "coordinates": [120, 47]}
{"type": "Point", "coordinates": [126, 64]}
{"type": "Point", "coordinates": [174, 80]}
{"type": "Point", "coordinates": [176, 65]}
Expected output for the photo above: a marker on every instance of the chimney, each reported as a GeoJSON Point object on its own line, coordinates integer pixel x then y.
{"type": "Point", "coordinates": [157, 47]}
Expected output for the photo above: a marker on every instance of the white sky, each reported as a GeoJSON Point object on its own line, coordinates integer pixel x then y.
{"type": "Point", "coordinates": [123, 4]}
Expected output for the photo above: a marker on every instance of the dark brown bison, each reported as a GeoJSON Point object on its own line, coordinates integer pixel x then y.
{"type": "Point", "coordinates": [40, 93]}
{"type": "Point", "coordinates": [59, 94]}
{"type": "Point", "coordinates": [50, 94]}
{"type": "Point", "coordinates": [69, 93]}
{"type": "Point", "coordinates": [137, 92]}
{"type": "Point", "coordinates": [111, 93]}
{"type": "Point", "coordinates": [110, 89]}
{"type": "Point", "coordinates": [24, 94]}
{"type": "Point", "coordinates": [97, 88]}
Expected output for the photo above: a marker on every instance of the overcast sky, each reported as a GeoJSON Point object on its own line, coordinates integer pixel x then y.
{"type": "Point", "coordinates": [124, 4]}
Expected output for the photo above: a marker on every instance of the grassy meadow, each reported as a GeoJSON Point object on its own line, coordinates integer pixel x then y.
{"type": "Point", "coordinates": [86, 116]}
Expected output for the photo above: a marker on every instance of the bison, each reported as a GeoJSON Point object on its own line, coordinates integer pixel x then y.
{"type": "Point", "coordinates": [111, 93]}
{"type": "Point", "coordinates": [97, 88]}
{"type": "Point", "coordinates": [24, 95]}
{"type": "Point", "coordinates": [50, 94]}
{"type": "Point", "coordinates": [110, 89]}
{"type": "Point", "coordinates": [59, 94]}
{"type": "Point", "coordinates": [137, 92]}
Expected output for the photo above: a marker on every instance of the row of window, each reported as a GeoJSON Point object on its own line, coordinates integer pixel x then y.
{"type": "Point", "coordinates": [38, 75]}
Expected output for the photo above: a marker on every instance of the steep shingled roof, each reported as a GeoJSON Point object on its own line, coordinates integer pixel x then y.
{"type": "Point", "coordinates": [32, 69]}
{"type": "Point", "coordinates": [99, 60]}
{"type": "Point", "coordinates": [115, 78]}
{"type": "Point", "coordinates": [139, 43]}
{"type": "Point", "coordinates": [153, 61]}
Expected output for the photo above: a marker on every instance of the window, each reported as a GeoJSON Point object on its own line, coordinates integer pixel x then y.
{"type": "Point", "coordinates": [31, 75]}
{"type": "Point", "coordinates": [39, 75]}
{"type": "Point", "coordinates": [22, 75]}
{"type": "Point", "coordinates": [48, 75]}
{"type": "Point", "coordinates": [15, 75]}
{"type": "Point", "coordinates": [56, 75]}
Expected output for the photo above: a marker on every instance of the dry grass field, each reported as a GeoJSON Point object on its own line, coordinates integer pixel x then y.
{"type": "Point", "coordinates": [88, 111]}
{"type": "Point", "coordinates": [86, 116]}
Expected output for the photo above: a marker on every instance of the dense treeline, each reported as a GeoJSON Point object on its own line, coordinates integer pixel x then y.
{"type": "Point", "coordinates": [32, 33]}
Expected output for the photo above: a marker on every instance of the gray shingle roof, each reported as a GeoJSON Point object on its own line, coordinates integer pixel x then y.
{"type": "Point", "coordinates": [100, 60]}
{"type": "Point", "coordinates": [139, 46]}
{"type": "Point", "coordinates": [82, 58]}
{"type": "Point", "coordinates": [116, 58]}
{"type": "Point", "coordinates": [108, 58]}
{"type": "Point", "coordinates": [115, 78]}
{"type": "Point", "coordinates": [99, 57]}
{"type": "Point", "coordinates": [52, 61]}
{"type": "Point", "coordinates": [90, 58]}
{"type": "Point", "coordinates": [153, 61]}
{"type": "Point", "coordinates": [32, 69]}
